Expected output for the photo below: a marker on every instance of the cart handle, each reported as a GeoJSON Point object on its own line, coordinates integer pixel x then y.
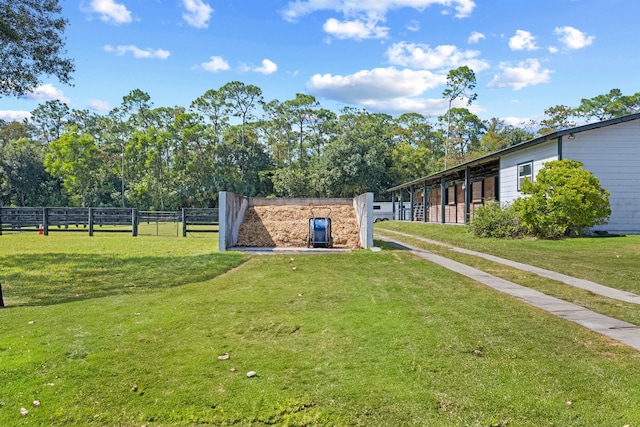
{"type": "Point", "coordinates": [320, 207]}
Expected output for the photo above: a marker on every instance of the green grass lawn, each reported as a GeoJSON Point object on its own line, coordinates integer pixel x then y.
{"type": "Point", "coordinates": [41, 270]}
{"type": "Point", "coordinates": [357, 339]}
{"type": "Point", "coordinates": [611, 261]}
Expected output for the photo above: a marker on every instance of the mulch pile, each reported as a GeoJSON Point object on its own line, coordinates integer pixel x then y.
{"type": "Point", "coordinates": [288, 226]}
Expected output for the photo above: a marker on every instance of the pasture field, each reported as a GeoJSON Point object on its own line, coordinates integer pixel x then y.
{"type": "Point", "coordinates": [113, 330]}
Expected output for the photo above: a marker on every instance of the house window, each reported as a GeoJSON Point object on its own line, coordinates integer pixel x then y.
{"type": "Point", "coordinates": [525, 171]}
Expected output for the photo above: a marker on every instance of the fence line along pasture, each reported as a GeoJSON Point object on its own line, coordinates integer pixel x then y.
{"type": "Point", "coordinates": [92, 220]}
{"type": "Point", "coordinates": [154, 219]}
{"type": "Point", "coordinates": [199, 220]}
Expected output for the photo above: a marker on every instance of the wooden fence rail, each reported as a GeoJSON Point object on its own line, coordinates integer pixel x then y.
{"type": "Point", "coordinates": [47, 220]}
{"type": "Point", "coordinates": [93, 220]}
{"type": "Point", "coordinates": [199, 217]}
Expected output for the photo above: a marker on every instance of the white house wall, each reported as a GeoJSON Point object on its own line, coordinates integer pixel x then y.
{"type": "Point", "coordinates": [612, 154]}
{"type": "Point", "coordinates": [508, 180]}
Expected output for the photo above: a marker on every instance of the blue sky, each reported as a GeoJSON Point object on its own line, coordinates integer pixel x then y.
{"type": "Point", "coordinates": [389, 56]}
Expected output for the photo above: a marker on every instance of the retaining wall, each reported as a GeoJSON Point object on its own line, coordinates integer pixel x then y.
{"type": "Point", "coordinates": [273, 222]}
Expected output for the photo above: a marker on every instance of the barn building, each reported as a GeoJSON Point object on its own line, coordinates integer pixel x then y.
{"type": "Point", "coordinates": [609, 149]}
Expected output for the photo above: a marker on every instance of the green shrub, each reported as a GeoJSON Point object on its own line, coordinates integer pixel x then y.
{"type": "Point", "coordinates": [564, 200]}
{"type": "Point", "coordinates": [492, 220]}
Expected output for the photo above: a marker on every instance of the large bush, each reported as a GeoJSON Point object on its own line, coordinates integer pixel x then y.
{"type": "Point", "coordinates": [492, 220]}
{"type": "Point", "coordinates": [564, 200]}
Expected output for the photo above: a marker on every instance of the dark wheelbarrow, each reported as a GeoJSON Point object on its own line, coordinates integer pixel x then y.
{"type": "Point", "coordinates": [320, 230]}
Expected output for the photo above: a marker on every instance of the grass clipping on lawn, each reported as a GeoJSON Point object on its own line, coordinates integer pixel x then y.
{"type": "Point", "coordinates": [288, 226]}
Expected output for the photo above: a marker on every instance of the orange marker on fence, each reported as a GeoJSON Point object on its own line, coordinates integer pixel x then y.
{"type": "Point", "coordinates": [41, 229]}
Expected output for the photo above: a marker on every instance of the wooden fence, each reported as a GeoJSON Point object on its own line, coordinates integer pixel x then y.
{"type": "Point", "coordinates": [199, 217]}
{"type": "Point", "coordinates": [92, 220]}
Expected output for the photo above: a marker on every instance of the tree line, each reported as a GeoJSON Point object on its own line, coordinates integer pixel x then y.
{"type": "Point", "coordinates": [232, 139]}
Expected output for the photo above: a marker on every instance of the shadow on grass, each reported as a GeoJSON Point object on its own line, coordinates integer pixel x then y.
{"type": "Point", "coordinates": [388, 246]}
{"type": "Point", "coordinates": [46, 279]}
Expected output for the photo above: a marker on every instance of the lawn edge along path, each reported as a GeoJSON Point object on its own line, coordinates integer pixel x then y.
{"type": "Point", "coordinates": [618, 330]}
{"type": "Point", "coordinates": [587, 285]}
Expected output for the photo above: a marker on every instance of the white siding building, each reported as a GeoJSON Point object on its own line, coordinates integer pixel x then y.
{"type": "Point", "coordinates": [520, 164]}
{"type": "Point", "coordinates": [609, 149]}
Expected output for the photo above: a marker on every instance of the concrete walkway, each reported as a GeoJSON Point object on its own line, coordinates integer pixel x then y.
{"type": "Point", "coordinates": [618, 330]}
{"type": "Point", "coordinates": [596, 288]}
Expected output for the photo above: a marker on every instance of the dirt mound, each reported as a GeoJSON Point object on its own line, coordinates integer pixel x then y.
{"type": "Point", "coordinates": [288, 226]}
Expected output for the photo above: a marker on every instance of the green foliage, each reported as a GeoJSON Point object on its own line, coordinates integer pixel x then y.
{"type": "Point", "coordinates": [49, 119]}
{"type": "Point", "coordinates": [72, 158]}
{"type": "Point", "coordinates": [557, 118]}
{"type": "Point", "coordinates": [492, 220]}
{"type": "Point", "coordinates": [465, 132]}
{"type": "Point", "coordinates": [409, 162]}
{"type": "Point", "coordinates": [170, 157]}
{"type": "Point", "coordinates": [358, 159]}
{"type": "Point", "coordinates": [600, 107]}
{"type": "Point", "coordinates": [460, 84]}
{"type": "Point", "coordinates": [291, 182]}
{"type": "Point", "coordinates": [564, 200]}
{"type": "Point", "coordinates": [610, 105]}
{"type": "Point", "coordinates": [499, 135]}
{"type": "Point", "coordinates": [23, 179]}
{"type": "Point", "coordinates": [32, 45]}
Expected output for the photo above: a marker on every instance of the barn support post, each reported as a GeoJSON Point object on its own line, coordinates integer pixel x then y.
{"type": "Point", "coordinates": [393, 205]}
{"type": "Point", "coordinates": [424, 201]}
{"type": "Point", "coordinates": [400, 207]}
{"type": "Point", "coordinates": [443, 200]}
{"type": "Point", "coordinates": [90, 221]}
{"type": "Point", "coordinates": [560, 147]}
{"type": "Point", "coordinates": [467, 195]}
{"type": "Point", "coordinates": [412, 199]}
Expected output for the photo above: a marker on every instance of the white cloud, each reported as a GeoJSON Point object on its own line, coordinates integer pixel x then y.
{"type": "Point", "coordinates": [215, 64]}
{"type": "Point", "coordinates": [515, 121]}
{"type": "Point", "coordinates": [197, 13]}
{"type": "Point", "coordinates": [413, 25]}
{"type": "Point", "coordinates": [528, 73]}
{"type": "Point", "coordinates": [47, 92]}
{"type": "Point", "coordinates": [357, 29]}
{"type": "Point", "coordinates": [425, 106]}
{"type": "Point", "coordinates": [386, 90]}
{"type": "Point", "coordinates": [475, 37]}
{"type": "Point", "coordinates": [97, 105]}
{"type": "Point", "coordinates": [14, 115]}
{"type": "Point", "coordinates": [442, 57]}
{"type": "Point", "coordinates": [111, 12]}
{"type": "Point", "coordinates": [137, 52]}
{"type": "Point", "coordinates": [573, 38]}
{"type": "Point", "coordinates": [267, 67]}
{"type": "Point", "coordinates": [379, 84]}
{"type": "Point", "coordinates": [298, 8]}
{"type": "Point", "coordinates": [523, 40]}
